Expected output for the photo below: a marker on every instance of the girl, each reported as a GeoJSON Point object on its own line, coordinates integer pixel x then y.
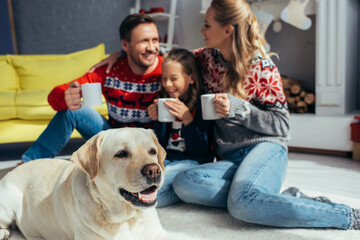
{"type": "Point", "coordinates": [251, 137]}
{"type": "Point", "coordinates": [186, 139]}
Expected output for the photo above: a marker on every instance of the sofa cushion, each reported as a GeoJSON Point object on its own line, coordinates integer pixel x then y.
{"type": "Point", "coordinates": [7, 105]}
{"type": "Point", "coordinates": [45, 112]}
{"type": "Point", "coordinates": [9, 80]}
{"type": "Point", "coordinates": [44, 74]}
{"type": "Point", "coordinates": [24, 130]}
{"type": "Point", "coordinates": [7, 99]}
{"type": "Point", "coordinates": [9, 83]}
{"type": "Point", "coordinates": [33, 105]}
{"type": "Point", "coordinates": [7, 113]}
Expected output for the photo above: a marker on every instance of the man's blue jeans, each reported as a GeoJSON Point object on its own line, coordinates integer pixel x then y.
{"type": "Point", "coordinates": [248, 183]}
{"type": "Point", "coordinates": [87, 121]}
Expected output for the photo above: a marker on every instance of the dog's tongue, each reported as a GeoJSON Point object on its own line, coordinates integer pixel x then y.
{"type": "Point", "coordinates": [148, 195]}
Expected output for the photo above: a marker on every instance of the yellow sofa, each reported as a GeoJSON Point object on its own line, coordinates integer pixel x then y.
{"type": "Point", "coordinates": [25, 82]}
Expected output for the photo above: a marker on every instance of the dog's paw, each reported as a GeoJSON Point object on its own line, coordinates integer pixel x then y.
{"type": "Point", "coordinates": [4, 234]}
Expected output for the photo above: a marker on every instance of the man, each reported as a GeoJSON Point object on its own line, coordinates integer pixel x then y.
{"type": "Point", "coordinates": [129, 87]}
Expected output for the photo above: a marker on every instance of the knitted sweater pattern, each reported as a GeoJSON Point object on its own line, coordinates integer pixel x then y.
{"type": "Point", "coordinates": [262, 117]}
{"type": "Point", "coordinates": [127, 95]}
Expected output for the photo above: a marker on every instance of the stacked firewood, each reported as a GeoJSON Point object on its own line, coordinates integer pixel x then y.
{"type": "Point", "coordinates": [299, 100]}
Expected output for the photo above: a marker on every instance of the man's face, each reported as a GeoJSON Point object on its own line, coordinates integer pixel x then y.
{"type": "Point", "coordinates": [143, 48]}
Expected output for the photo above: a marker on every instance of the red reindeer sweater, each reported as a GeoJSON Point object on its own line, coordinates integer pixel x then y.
{"type": "Point", "coordinates": [127, 95]}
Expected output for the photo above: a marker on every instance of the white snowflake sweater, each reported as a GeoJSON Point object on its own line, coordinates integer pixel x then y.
{"type": "Point", "coordinates": [262, 117]}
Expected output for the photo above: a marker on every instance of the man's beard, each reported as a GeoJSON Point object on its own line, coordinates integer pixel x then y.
{"type": "Point", "coordinates": [142, 64]}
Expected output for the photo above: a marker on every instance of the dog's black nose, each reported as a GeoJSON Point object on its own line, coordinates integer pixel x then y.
{"type": "Point", "coordinates": [152, 171]}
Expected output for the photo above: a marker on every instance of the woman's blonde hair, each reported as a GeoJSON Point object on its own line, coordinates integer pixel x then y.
{"type": "Point", "coordinates": [246, 40]}
{"type": "Point", "coordinates": [190, 66]}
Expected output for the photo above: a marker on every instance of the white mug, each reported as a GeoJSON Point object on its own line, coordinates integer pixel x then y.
{"type": "Point", "coordinates": [163, 111]}
{"type": "Point", "coordinates": [91, 94]}
{"type": "Point", "coordinates": [208, 107]}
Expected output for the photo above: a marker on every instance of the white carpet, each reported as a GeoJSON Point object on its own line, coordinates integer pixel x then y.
{"type": "Point", "coordinates": [190, 222]}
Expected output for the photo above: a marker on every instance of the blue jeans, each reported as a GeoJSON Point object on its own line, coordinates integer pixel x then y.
{"type": "Point", "coordinates": [166, 195]}
{"type": "Point", "coordinates": [87, 121]}
{"type": "Point", "coordinates": [248, 183]}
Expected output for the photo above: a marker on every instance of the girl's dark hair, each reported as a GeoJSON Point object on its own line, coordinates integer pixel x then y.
{"type": "Point", "coordinates": [189, 65]}
{"type": "Point", "coordinates": [132, 21]}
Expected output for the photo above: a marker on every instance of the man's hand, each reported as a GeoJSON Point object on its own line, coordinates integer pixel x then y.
{"type": "Point", "coordinates": [72, 96]}
{"type": "Point", "coordinates": [153, 110]}
{"type": "Point", "coordinates": [180, 110]}
{"type": "Point", "coordinates": [222, 104]}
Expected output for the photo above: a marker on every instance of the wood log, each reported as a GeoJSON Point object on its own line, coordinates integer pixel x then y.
{"type": "Point", "coordinates": [309, 98]}
{"type": "Point", "coordinates": [302, 94]}
{"type": "Point", "coordinates": [299, 100]}
{"type": "Point", "coordinates": [287, 93]}
{"type": "Point", "coordinates": [295, 89]}
{"type": "Point", "coordinates": [301, 107]}
{"type": "Point", "coordinates": [288, 82]}
{"type": "Point", "coordinates": [291, 100]}
{"type": "Point", "coordinates": [291, 104]}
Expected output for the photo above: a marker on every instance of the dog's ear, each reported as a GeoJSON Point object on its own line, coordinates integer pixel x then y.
{"type": "Point", "coordinates": [87, 156]}
{"type": "Point", "coordinates": [161, 150]}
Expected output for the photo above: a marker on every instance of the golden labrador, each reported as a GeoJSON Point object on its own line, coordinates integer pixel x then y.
{"type": "Point", "coordinates": [108, 191]}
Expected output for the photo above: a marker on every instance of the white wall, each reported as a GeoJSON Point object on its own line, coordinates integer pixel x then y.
{"type": "Point", "coordinates": [189, 24]}
{"type": "Point", "coordinates": [352, 30]}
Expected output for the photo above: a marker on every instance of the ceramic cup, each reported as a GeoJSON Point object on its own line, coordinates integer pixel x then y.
{"type": "Point", "coordinates": [91, 94]}
{"type": "Point", "coordinates": [163, 111]}
{"type": "Point", "coordinates": [208, 107]}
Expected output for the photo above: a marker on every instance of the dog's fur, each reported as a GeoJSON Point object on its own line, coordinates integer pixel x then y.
{"type": "Point", "coordinates": [93, 196]}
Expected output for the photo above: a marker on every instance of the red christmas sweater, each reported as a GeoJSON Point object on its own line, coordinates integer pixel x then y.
{"type": "Point", "coordinates": [127, 95]}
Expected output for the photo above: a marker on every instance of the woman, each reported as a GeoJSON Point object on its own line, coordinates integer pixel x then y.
{"type": "Point", "coordinates": [251, 137]}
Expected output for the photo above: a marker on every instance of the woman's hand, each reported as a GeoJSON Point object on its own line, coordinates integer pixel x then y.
{"type": "Point", "coordinates": [180, 110]}
{"type": "Point", "coordinates": [153, 110]}
{"type": "Point", "coordinates": [222, 104]}
{"type": "Point", "coordinates": [110, 61]}
{"type": "Point", "coordinates": [73, 96]}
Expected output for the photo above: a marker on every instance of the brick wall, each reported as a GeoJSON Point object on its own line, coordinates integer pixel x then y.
{"type": "Point", "coordinates": [6, 45]}
{"type": "Point", "coordinates": [63, 26]}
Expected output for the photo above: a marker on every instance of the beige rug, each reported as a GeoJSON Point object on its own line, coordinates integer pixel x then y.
{"type": "Point", "coordinates": [216, 224]}
{"type": "Point", "coordinates": [191, 222]}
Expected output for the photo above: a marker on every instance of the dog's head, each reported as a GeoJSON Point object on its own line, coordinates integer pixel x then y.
{"type": "Point", "coordinates": [128, 162]}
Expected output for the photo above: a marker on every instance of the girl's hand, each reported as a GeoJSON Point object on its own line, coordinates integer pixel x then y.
{"type": "Point", "coordinates": [153, 110]}
{"type": "Point", "coordinates": [222, 104]}
{"type": "Point", "coordinates": [110, 61]}
{"type": "Point", "coordinates": [72, 96]}
{"type": "Point", "coordinates": [180, 110]}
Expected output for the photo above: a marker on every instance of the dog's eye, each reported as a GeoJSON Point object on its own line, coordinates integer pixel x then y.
{"type": "Point", "coordinates": [122, 154]}
{"type": "Point", "coordinates": [152, 152]}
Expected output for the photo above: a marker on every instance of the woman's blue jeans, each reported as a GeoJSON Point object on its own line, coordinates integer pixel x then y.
{"type": "Point", "coordinates": [87, 121]}
{"type": "Point", "coordinates": [248, 183]}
